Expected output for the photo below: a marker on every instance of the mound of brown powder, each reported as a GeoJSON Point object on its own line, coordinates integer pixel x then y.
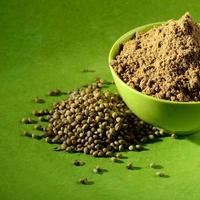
{"type": "Point", "coordinates": [163, 62]}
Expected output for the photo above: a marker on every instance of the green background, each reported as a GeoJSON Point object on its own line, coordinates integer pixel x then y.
{"type": "Point", "coordinates": [44, 45]}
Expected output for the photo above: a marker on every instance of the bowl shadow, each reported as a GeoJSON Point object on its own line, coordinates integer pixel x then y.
{"type": "Point", "coordinates": [194, 137]}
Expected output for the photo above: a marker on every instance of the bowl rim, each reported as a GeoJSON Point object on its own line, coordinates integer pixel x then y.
{"type": "Point", "coordinates": [124, 38]}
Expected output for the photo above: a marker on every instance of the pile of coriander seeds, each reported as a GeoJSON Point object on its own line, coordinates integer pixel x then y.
{"type": "Point", "coordinates": [94, 122]}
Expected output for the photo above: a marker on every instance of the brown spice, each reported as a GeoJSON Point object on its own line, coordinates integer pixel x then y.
{"type": "Point", "coordinates": [163, 62]}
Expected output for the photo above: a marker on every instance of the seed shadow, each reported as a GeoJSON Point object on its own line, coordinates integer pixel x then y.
{"type": "Point", "coordinates": [119, 161]}
{"type": "Point", "coordinates": [135, 168]}
{"type": "Point", "coordinates": [194, 137]}
{"type": "Point", "coordinates": [164, 176]}
{"type": "Point", "coordinates": [121, 155]}
{"type": "Point", "coordinates": [143, 149]}
{"type": "Point", "coordinates": [57, 95]}
{"type": "Point", "coordinates": [41, 101]}
{"type": "Point", "coordinates": [64, 93]}
{"type": "Point", "coordinates": [88, 183]}
{"type": "Point", "coordinates": [183, 137]}
{"type": "Point", "coordinates": [106, 82]}
{"type": "Point", "coordinates": [88, 71]}
{"type": "Point", "coordinates": [154, 141]}
{"type": "Point", "coordinates": [33, 122]}
{"type": "Point", "coordinates": [124, 157]}
{"type": "Point", "coordinates": [157, 167]}
{"type": "Point", "coordinates": [57, 149]}
{"type": "Point", "coordinates": [103, 171]}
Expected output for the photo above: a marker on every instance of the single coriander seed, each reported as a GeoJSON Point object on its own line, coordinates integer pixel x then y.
{"type": "Point", "coordinates": [83, 181]}
{"type": "Point", "coordinates": [151, 137]}
{"type": "Point", "coordinates": [36, 113]}
{"type": "Point", "coordinates": [27, 134]}
{"type": "Point", "coordinates": [129, 166]}
{"type": "Point", "coordinates": [97, 170]}
{"type": "Point", "coordinates": [139, 147]}
{"type": "Point", "coordinates": [118, 155]}
{"type": "Point", "coordinates": [38, 100]}
{"type": "Point", "coordinates": [174, 136]}
{"type": "Point", "coordinates": [160, 174]}
{"type": "Point", "coordinates": [25, 120]}
{"type": "Point", "coordinates": [131, 148]}
{"type": "Point", "coordinates": [114, 159]}
{"type": "Point", "coordinates": [38, 127]}
{"type": "Point", "coordinates": [152, 165]}
{"type": "Point", "coordinates": [78, 163]}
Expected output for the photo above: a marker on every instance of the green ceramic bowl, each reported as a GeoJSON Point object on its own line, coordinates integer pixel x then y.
{"type": "Point", "coordinates": [179, 117]}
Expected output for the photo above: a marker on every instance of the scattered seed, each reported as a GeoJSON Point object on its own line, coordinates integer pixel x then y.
{"type": "Point", "coordinates": [43, 119]}
{"type": "Point", "coordinates": [24, 120]}
{"type": "Point", "coordinates": [114, 159]}
{"type": "Point", "coordinates": [160, 174]}
{"type": "Point", "coordinates": [38, 127]}
{"type": "Point", "coordinates": [27, 120]}
{"type": "Point", "coordinates": [27, 134]}
{"type": "Point", "coordinates": [38, 100]}
{"type": "Point", "coordinates": [161, 131]}
{"type": "Point", "coordinates": [113, 82]}
{"type": "Point", "coordinates": [139, 147]}
{"type": "Point", "coordinates": [151, 137]}
{"type": "Point", "coordinates": [48, 140]}
{"type": "Point", "coordinates": [108, 153]}
{"type": "Point", "coordinates": [119, 155]}
{"type": "Point", "coordinates": [36, 113]}
{"type": "Point", "coordinates": [83, 181]}
{"type": "Point", "coordinates": [174, 136]}
{"type": "Point", "coordinates": [38, 137]}
{"type": "Point", "coordinates": [152, 165]}
{"type": "Point", "coordinates": [97, 170]}
{"type": "Point", "coordinates": [131, 148]}
{"type": "Point", "coordinates": [55, 92]}
{"type": "Point", "coordinates": [143, 139]}
{"type": "Point", "coordinates": [45, 129]}
{"type": "Point", "coordinates": [129, 166]}
{"type": "Point", "coordinates": [78, 163]}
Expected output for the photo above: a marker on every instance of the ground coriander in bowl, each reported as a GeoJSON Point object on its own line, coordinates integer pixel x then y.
{"type": "Point", "coordinates": [163, 62]}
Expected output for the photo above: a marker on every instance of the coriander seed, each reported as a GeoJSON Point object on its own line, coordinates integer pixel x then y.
{"type": "Point", "coordinates": [119, 155]}
{"type": "Point", "coordinates": [152, 165]}
{"type": "Point", "coordinates": [114, 159]}
{"type": "Point", "coordinates": [27, 120]}
{"type": "Point", "coordinates": [38, 100]}
{"type": "Point", "coordinates": [83, 181]}
{"type": "Point", "coordinates": [38, 127]}
{"type": "Point", "coordinates": [160, 174]}
{"type": "Point", "coordinates": [129, 166]}
{"type": "Point", "coordinates": [97, 170]}
{"type": "Point", "coordinates": [78, 163]}
{"type": "Point", "coordinates": [27, 134]}
{"type": "Point", "coordinates": [174, 136]}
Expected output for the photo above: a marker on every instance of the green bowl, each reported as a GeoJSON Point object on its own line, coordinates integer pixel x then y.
{"type": "Point", "coordinates": [178, 117]}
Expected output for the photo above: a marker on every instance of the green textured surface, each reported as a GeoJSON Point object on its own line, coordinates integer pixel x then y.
{"type": "Point", "coordinates": [44, 45]}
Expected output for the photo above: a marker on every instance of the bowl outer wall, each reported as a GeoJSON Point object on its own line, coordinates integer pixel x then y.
{"type": "Point", "coordinates": [179, 117]}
